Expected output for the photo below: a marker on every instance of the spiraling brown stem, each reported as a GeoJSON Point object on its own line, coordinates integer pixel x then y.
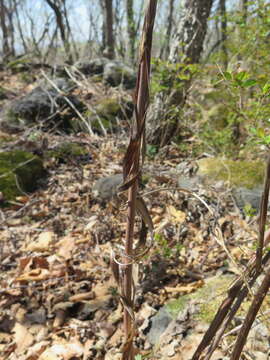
{"type": "Point", "coordinates": [131, 169]}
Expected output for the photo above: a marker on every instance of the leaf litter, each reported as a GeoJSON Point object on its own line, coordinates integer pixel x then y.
{"type": "Point", "coordinates": [58, 297]}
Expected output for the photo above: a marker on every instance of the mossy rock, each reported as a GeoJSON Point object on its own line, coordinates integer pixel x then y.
{"type": "Point", "coordinates": [117, 73]}
{"type": "Point", "coordinates": [19, 172]}
{"type": "Point", "coordinates": [18, 65]}
{"type": "Point", "coordinates": [3, 93]}
{"type": "Point", "coordinates": [247, 174]}
{"type": "Point", "coordinates": [106, 113]}
{"type": "Point", "coordinates": [67, 151]}
{"type": "Point", "coordinates": [208, 298]}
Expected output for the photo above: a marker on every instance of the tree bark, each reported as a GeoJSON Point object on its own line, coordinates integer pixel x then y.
{"type": "Point", "coordinates": [6, 25]}
{"type": "Point", "coordinates": [223, 14]}
{"type": "Point", "coordinates": [61, 25]}
{"type": "Point", "coordinates": [186, 48]}
{"type": "Point", "coordinates": [131, 29]}
{"type": "Point", "coordinates": [108, 30]}
{"type": "Point", "coordinates": [166, 47]}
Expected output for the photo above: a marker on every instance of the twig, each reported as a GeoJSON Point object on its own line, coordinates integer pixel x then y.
{"type": "Point", "coordinates": [238, 292]}
{"type": "Point", "coordinates": [69, 103]}
{"type": "Point", "coordinates": [263, 215]}
{"type": "Point", "coordinates": [251, 315]}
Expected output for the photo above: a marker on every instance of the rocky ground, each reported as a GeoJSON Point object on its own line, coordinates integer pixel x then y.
{"type": "Point", "coordinates": [58, 298]}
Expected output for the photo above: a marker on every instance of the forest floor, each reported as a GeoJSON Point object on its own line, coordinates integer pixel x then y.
{"type": "Point", "coordinates": [58, 299]}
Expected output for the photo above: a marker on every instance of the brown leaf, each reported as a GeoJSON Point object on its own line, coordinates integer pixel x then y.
{"type": "Point", "coordinates": [42, 243]}
{"type": "Point", "coordinates": [34, 275]}
{"type": "Point", "coordinates": [64, 351]}
{"type": "Point", "coordinates": [22, 338]}
{"type": "Point", "coordinates": [66, 247]}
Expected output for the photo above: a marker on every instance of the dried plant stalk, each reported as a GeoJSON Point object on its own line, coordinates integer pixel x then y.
{"type": "Point", "coordinates": [131, 171]}
{"type": "Point", "coordinates": [239, 290]}
{"type": "Point", "coordinates": [263, 214]}
{"type": "Point", "coordinates": [250, 317]}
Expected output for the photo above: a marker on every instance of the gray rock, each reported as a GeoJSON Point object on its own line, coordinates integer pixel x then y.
{"type": "Point", "coordinates": [93, 67]}
{"type": "Point", "coordinates": [160, 322]}
{"type": "Point", "coordinates": [245, 197]}
{"type": "Point", "coordinates": [114, 72]}
{"type": "Point", "coordinates": [61, 83]}
{"type": "Point", "coordinates": [188, 183]}
{"type": "Point", "coordinates": [105, 188]}
{"type": "Point", "coordinates": [40, 105]}
{"type": "Point", "coordinates": [117, 73]}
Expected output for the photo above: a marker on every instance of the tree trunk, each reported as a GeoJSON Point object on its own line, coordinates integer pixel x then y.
{"type": "Point", "coordinates": [7, 28]}
{"type": "Point", "coordinates": [223, 14]}
{"type": "Point", "coordinates": [56, 7]}
{"type": "Point", "coordinates": [5, 46]}
{"type": "Point", "coordinates": [131, 29]}
{"type": "Point", "coordinates": [187, 46]}
{"type": "Point", "coordinates": [25, 47]}
{"type": "Point", "coordinates": [108, 31]}
{"type": "Point", "coordinates": [165, 50]}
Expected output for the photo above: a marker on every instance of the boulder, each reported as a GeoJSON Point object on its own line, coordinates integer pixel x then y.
{"type": "Point", "coordinates": [248, 198]}
{"type": "Point", "coordinates": [159, 324]}
{"type": "Point", "coordinates": [69, 152]}
{"type": "Point", "coordinates": [105, 114]}
{"type": "Point", "coordinates": [114, 72]}
{"type": "Point", "coordinates": [20, 172]}
{"type": "Point", "coordinates": [237, 173]}
{"type": "Point", "coordinates": [117, 73]}
{"type": "Point", "coordinates": [41, 105]}
{"type": "Point", "coordinates": [106, 188]}
{"type": "Point", "coordinates": [93, 67]}
{"type": "Point", "coordinates": [244, 177]}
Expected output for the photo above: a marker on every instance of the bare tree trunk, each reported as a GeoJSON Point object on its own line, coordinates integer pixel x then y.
{"type": "Point", "coordinates": [56, 7]}
{"type": "Point", "coordinates": [69, 32]}
{"type": "Point", "coordinates": [25, 47]}
{"type": "Point", "coordinates": [6, 24]}
{"type": "Point", "coordinates": [5, 47]}
{"type": "Point", "coordinates": [186, 48]}
{"type": "Point", "coordinates": [223, 13]}
{"type": "Point", "coordinates": [108, 31]}
{"type": "Point", "coordinates": [243, 8]}
{"type": "Point", "coordinates": [165, 50]}
{"type": "Point", "coordinates": [131, 29]}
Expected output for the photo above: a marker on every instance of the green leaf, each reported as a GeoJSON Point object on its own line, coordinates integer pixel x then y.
{"type": "Point", "coordinates": [227, 75]}
{"type": "Point", "coordinates": [253, 130]}
{"type": "Point", "coordinates": [249, 83]}
{"type": "Point", "coordinates": [267, 139]}
{"type": "Point", "coordinates": [261, 132]}
{"type": "Point", "coordinates": [266, 88]}
{"type": "Point", "coordinates": [242, 75]}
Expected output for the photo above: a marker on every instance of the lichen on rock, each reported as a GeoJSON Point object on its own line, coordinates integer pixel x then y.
{"type": "Point", "coordinates": [238, 173]}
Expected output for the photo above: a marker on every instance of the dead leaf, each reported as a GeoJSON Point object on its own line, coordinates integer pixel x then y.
{"type": "Point", "coordinates": [185, 289]}
{"type": "Point", "coordinates": [62, 351]}
{"type": "Point", "coordinates": [42, 243]}
{"type": "Point", "coordinates": [36, 350]}
{"type": "Point", "coordinates": [83, 296]}
{"type": "Point", "coordinates": [35, 275]}
{"type": "Point", "coordinates": [66, 247]}
{"type": "Point", "coordinates": [92, 222]}
{"type": "Point", "coordinates": [177, 216]}
{"type": "Point", "coordinates": [22, 338]}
